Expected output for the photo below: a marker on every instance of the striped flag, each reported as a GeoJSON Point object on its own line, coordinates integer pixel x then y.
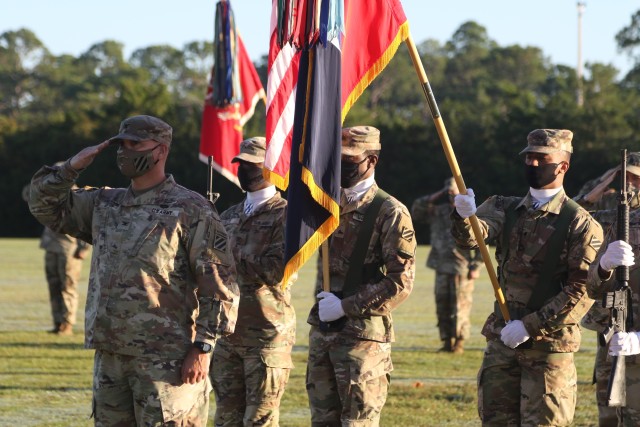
{"type": "Point", "coordinates": [314, 187]}
{"type": "Point", "coordinates": [233, 92]}
{"type": "Point", "coordinates": [283, 64]}
{"type": "Point", "coordinates": [374, 30]}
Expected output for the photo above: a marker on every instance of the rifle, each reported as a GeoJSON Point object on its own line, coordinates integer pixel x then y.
{"type": "Point", "coordinates": [619, 300]}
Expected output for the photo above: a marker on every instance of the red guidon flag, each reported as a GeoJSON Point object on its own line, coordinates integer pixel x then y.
{"type": "Point", "coordinates": [374, 30]}
{"type": "Point", "coordinates": [222, 121]}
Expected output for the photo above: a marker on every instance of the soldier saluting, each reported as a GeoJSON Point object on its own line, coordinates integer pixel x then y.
{"type": "Point", "coordinates": [161, 288]}
{"type": "Point", "coordinates": [545, 245]}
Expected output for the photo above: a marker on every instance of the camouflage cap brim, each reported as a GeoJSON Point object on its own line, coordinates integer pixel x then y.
{"type": "Point", "coordinates": [122, 136]}
{"type": "Point", "coordinates": [251, 158]}
{"type": "Point", "coordinates": [538, 149]}
{"type": "Point", "coordinates": [352, 151]}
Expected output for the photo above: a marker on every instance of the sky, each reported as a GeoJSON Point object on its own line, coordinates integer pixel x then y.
{"type": "Point", "coordinates": [72, 26]}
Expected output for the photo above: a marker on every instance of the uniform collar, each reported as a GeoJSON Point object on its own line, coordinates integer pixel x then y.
{"type": "Point", "coordinates": [149, 196]}
{"type": "Point", "coordinates": [366, 198]}
{"type": "Point", "coordinates": [554, 205]}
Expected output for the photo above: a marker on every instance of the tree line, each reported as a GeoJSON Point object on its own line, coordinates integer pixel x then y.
{"type": "Point", "coordinates": [490, 97]}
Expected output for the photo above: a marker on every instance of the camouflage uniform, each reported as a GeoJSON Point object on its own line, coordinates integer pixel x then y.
{"type": "Point", "coordinates": [250, 368]}
{"type": "Point", "coordinates": [453, 287]}
{"type": "Point", "coordinates": [535, 385]}
{"type": "Point", "coordinates": [348, 371]}
{"type": "Point", "coordinates": [63, 264]}
{"type": "Point", "coordinates": [161, 278]}
{"type": "Point", "coordinates": [599, 317]}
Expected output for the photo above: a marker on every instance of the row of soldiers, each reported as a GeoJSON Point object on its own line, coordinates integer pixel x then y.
{"type": "Point", "coordinates": [180, 297]}
{"type": "Point", "coordinates": [182, 300]}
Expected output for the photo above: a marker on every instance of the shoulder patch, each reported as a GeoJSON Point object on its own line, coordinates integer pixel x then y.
{"type": "Point", "coordinates": [220, 241]}
{"type": "Point", "coordinates": [595, 243]}
{"type": "Point", "coordinates": [407, 234]}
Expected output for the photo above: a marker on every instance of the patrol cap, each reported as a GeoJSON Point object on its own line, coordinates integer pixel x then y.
{"type": "Point", "coordinates": [358, 139]}
{"type": "Point", "coordinates": [252, 150]}
{"type": "Point", "coordinates": [549, 141]}
{"type": "Point", "coordinates": [142, 128]}
{"type": "Point", "coordinates": [633, 163]}
{"type": "Point", "coordinates": [450, 184]}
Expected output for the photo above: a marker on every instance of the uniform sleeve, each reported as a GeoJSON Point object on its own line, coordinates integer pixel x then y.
{"type": "Point", "coordinates": [268, 265]}
{"type": "Point", "coordinates": [570, 305]}
{"type": "Point", "coordinates": [490, 215]}
{"type": "Point", "coordinates": [422, 209]}
{"type": "Point", "coordinates": [214, 271]}
{"type": "Point", "coordinates": [398, 250]}
{"type": "Point", "coordinates": [54, 203]}
{"type": "Point", "coordinates": [596, 285]}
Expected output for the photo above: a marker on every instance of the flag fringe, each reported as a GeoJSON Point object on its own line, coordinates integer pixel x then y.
{"type": "Point", "coordinates": [321, 234]}
{"type": "Point", "coordinates": [282, 182]}
{"type": "Point", "coordinates": [376, 68]}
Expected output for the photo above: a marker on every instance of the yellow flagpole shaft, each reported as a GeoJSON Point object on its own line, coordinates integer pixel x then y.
{"type": "Point", "coordinates": [455, 170]}
{"type": "Point", "coordinates": [326, 286]}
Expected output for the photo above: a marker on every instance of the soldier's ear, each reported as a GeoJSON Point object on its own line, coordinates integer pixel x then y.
{"type": "Point", "coordinates": [564, 167]}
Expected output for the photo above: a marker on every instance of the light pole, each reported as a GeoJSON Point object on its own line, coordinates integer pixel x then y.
{"type": "Point", "coordinates": [580, 96]}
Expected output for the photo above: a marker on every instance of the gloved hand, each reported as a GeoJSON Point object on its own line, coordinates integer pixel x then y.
{"type": "Point", "coordinates": [514, 333]}
{"type": "Point", "coordinates": [618, 253]}
{"type": "Point", "coordinates": [465, 203]}
{"type": "Point", "coordinates": [624, 344]}
{"type": "Point", "coordinates": [329, 307]}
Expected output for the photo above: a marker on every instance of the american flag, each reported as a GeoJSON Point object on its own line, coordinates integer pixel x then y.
{"type": "Point", "coordinates": [281, 101]}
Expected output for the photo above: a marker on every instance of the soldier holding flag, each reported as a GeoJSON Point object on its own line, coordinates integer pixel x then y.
{"type": "Point", "coordinates": [545, 245]}
{"type": "Point", "coordinates": [371, 272]}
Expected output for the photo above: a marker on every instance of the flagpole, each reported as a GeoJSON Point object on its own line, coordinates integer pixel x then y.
{"type": "Point", "coordinates": [326, 285]}
{"type": "Point", "coordinates": [455, 170]}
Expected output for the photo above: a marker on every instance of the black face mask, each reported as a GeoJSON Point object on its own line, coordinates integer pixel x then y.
{"type": "Point", "coordinates": [540, 176]}
{"type": "Point", "coordinates": [250, 177]}
{"type": "Point", "coordinates": [349, 175]}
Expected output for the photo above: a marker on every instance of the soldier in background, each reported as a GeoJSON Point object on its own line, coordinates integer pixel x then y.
{"type": "Point", "coordinates": [161, 288]}
{"type": "Point", "coordinates": [62, 265]}
{"type": "Point", "coordinates": [456, 269]}
{"type": "Point", "coordinates": [250, 368]}
{"type": "Point", "coordinates": [602, 200]}
{"type": "Point", "coordinates": [348, 370]}
{"type": "Point", "coordinates": [545, 243]}
{"type": "Point", "coordinates": [616, 253]}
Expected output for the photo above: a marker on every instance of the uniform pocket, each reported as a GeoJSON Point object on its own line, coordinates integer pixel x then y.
{"type": "Point", "coordinates": [560, 382]}
{"type": "Point", "coordinates": [185, 404]}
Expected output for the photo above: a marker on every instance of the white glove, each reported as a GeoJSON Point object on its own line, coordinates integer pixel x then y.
{"type": "Point", "coordinates": [465, 203]}
{"type": "Point", "coordinates": [329, 307]}
{"type": "Point", "coordinates": [514, 333]}
{"type": "Point", "coordinates": [624, 344]}
{"type": "Point", "coordinates": [618, 253]}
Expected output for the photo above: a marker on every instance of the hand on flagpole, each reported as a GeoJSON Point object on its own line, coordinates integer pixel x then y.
{"type": "Point", "coordinates": [329, 307]}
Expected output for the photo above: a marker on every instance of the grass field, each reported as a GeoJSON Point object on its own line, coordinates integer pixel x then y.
{"type": "Point", "coordinates": [46, 380]}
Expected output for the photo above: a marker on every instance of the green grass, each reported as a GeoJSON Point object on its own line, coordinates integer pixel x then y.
{"type": "Point", "coordinates": [46, 380]}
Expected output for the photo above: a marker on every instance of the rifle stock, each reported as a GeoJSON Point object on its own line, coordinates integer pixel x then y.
{"type": "Point", "coordinates": [618, 299]}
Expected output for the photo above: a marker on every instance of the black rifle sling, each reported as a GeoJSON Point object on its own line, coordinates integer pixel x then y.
{"type": "Point", "coordinates": [353, 278]}
{"type": "Point", "coordinates": [545, 288]}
